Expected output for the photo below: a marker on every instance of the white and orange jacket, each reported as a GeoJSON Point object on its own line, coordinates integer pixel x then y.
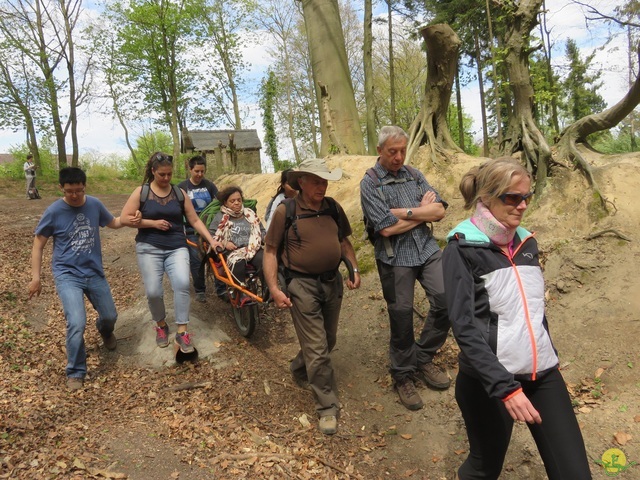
{"type": "Point", "coordinates": [496, 308]}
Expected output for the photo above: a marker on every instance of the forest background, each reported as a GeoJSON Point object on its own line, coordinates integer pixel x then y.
{"type": "Point", "coordinates": [154, 68]}
{"type": "Point", "coordinates": [159, 66]}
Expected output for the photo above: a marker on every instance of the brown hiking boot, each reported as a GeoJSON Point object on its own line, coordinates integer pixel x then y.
{"type": "Point", "coordinates": [433, 376]}
{"type": "Point", "coordinates": [408, 394]}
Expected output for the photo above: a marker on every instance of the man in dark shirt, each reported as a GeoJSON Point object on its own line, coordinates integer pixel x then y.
{"type": "Point", "coordinates": [311, 252]}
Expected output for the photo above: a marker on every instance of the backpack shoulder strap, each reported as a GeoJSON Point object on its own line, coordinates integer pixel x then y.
{"type": "Point", "coordinates": [373, 175]}
{"type": "Point", "coordinates": [290, 212]}
{"type": "Point", "coordinates": [413, 171]}
{"type": "Point", "coordinates": [335, 214]}
{"type": "Point", "coordinates": [179, 195]}
{"type": "Point", "coordinates": [144, 194]}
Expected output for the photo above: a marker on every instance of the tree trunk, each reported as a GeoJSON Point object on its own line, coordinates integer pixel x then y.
{"type": "Point", "coordinates": [546, 41]}
{"type": "Point", "coordinates": [368, 79]}
{"type": "Point", "coordinates": [69, 24]}
{"type": "Point", "coordinates": [48, 73]}
{"type": "Point", "coordinates": [578, 132]}
{"type": "Point", "coordinates": [523, 133]}
{"type": "Point", "coordinates": [460, 115]}
{"type": "Point", "coordinates": [483, 101]}
{"type": "Point", "coordinates": [392, 71]}
{"type": "Point", "coordinates": [290, 116]}
{"type": "Point", "coordinates": [632, 115]}
{"type": "Point", "coordinates": [332, 78]}
{"type": "Point", "coordinates": [496, 86]}
{"type": "Point", "coordinates": [430, 126]}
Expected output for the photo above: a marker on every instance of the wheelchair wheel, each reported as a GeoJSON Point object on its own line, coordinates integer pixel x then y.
{"type": "Point", "coordinates": [246, 316]}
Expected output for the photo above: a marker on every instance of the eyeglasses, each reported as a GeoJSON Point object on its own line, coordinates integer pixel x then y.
{"type": "Point", "coordinates": [515, 199]}
{"type": "Point", "coordinates": [73, 192]}
{"type": "Point", "coordinates": [162, 157]}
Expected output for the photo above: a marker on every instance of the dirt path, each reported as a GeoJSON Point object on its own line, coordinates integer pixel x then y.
{"type": "Point", "coordinates": [237, 414]}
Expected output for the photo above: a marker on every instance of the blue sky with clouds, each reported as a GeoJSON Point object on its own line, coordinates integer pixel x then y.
{"type": "Point", "coordinates": [99, 132]}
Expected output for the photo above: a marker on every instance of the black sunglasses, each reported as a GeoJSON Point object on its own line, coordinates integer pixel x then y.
{"type": "Point", "coordinates": [515, 199]}
{"type": "Point", "coordinates": [163, 157]}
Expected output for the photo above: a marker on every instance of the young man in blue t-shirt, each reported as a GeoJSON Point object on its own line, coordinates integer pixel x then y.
{"type": "Point", "coordinates": [201, 192]}
{"type": "Point", "coordinates": [73, 222]}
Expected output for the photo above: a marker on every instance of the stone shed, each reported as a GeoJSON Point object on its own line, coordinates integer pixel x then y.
{"type": "Point", "coordinates": [226, 151]}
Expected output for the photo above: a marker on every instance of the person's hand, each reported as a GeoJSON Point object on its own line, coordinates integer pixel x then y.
{"type": "Point", "coordinates": [163, 225]}
{"type": "Point", "coordinates": [230, 246]}
{"type": "Point", "coordinates": [35, 287]}
{"type": "Point", "coordinates": [215, 245]}
{"type": "Point", "coordinates": [136, 218]}
{"type": "Point", "coordinates": [356, 281]}
{"type": "Point", "coordinates": [521, 409]}
{"type": "Point", "coordinates": [280, 300]}
{"type": "Point", "coordinates": [428, 198]}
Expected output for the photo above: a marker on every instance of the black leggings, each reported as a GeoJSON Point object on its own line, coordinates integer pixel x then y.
{"type": "Point", "coordinates": [489, 427]}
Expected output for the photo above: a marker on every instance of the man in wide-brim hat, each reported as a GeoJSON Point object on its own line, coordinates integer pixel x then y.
{"type": "Point", "coordinates": [313, 166]}
{"type": "Point", "coordinates": [311, 245]}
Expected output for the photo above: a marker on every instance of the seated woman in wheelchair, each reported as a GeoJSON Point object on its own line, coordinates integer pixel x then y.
{"type": "Point", "coordinates": [240, 232]}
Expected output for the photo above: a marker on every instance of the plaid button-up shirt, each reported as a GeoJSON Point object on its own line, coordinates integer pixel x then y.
{"type": "Point", "coordinates": [413, 247]}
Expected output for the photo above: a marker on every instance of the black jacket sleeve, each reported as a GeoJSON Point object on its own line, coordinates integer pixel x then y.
{"type": "Point", "coordinates": [472, 333]}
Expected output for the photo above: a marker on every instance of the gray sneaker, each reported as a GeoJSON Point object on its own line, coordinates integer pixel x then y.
{"type": "Point", "coordinates": [433, 376]}
{"type": "Point", "coordinates": [408, 394]}
{"type": "Point", "coordinates": [201, 297]}
{"type": "Point", "coordinates": [162, 336]}
{"type": "Point", "coordinates": [183, 340]}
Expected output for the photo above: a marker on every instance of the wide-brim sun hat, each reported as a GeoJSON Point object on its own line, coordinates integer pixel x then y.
{"type": "Point", "coordinates": [313, 166]}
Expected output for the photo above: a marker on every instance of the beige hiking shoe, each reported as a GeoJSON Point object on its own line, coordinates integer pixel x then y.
{"type": "Point", "coordinates": [433, 376]}
{"type": "Point", "coordinates": [408, 395]}
{"type": "Point", "coordinates": [328, 424]}
{"type": "Point", "coordinates": [74, 383]}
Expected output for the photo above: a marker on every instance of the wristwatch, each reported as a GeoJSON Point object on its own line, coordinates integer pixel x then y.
{"type": "Point", "coordinates": [355, 270]}
{"type": "Point", "coordinates": [409, 212]}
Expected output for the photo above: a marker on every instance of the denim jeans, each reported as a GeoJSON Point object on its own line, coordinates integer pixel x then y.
{"type": "Point", "coordinates": [196, 265]}
{"type": "Point", "coordinates": [153, 263]}
{"type": "Point", "coordinates": [71, 290]}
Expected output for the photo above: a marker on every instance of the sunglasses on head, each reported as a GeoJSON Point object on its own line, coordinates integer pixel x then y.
{"type": "Point", "coordinates": [163, 157]}
{"type": "Point", "coordinates": [515, 199]}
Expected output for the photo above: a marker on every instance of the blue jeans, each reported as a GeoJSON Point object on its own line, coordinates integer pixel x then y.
{"type": "Point", "coordinates": [196, 264]}
{"type": "Point", "coordinates": [153, 263]}
{"type": "Point", "coordinates": [71, 290]}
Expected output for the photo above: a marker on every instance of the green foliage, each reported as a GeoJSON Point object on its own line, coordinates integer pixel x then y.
{"type": "Point", "coordinates": [612, 141]}
{"type": "Point", "coordinates": [580, 88]}
{"type": "Point", "coordinates": [268, 95]}
{"type": "Point", "coordinates": [227, 28]}
{"type": "Point", "coordinates": [151, 67]}
{"type": "Point", "coordinates": [544, 94]}
{"type": "Point", "coordinates": [409, 58]}
{"type": "Point", "coordinates": [48, 163]}
{"type": "Point", "coordinates": [147, 144]}
{"type": "Point", "coordinates": [467, 121]}
{"type": "Point", "coordinates": [281, 165]}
